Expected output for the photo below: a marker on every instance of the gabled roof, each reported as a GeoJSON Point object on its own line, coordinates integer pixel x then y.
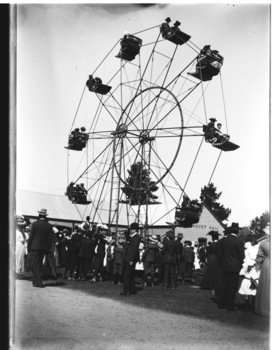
{"type": "Point", "coordinates": [212, 213]}
{"type": "Point", "coordinates": [60, 208]}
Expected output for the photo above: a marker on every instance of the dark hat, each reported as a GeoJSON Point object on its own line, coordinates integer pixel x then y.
{"type": "Point", "coordinates": [170, 234]}
{"type": "Point", "coordinates": [234, 228]}
{"type": "Point", "coordinates": [84, 226]}
{"type": "Point", "coordinates": [213, 120]}
{"type": "Point", "coordinates": [213, 234]}
{"type": "Point", "coordinates": [134, 226]}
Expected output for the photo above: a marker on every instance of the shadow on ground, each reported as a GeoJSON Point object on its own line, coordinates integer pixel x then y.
{"type": "Point", "coordinates": [186, 299]}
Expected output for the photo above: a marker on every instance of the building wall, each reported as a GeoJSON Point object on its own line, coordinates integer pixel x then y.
{"type": "Point", "coordinates": [207, 223]}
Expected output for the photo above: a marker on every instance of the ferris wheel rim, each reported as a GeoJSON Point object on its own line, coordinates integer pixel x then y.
{"type": "Point", "coordinates": [125, 132]}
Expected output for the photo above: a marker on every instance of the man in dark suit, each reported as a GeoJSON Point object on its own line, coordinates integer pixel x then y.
{"type": "Point", "coordinates": [169, 252]}
{"type": "Point", "coordinates": [39, 242]}
{"type": "Point", "coordinates": [131, 257]}
{"type": "Point", "coordinates": [99, 252]}
{"type": "Point", "coordinates": [230, 252]}
{"type": "Point", "coordinates": [179, 257]}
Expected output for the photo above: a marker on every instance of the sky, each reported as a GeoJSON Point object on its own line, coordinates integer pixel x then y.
{"type": "Point", "coordinates": [59, 45]}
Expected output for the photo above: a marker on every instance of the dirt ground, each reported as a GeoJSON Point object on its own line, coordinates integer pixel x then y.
{"type": "Point", "coordinates": [87, 315]}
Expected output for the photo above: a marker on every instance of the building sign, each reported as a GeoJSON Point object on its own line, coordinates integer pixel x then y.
{"type": "Point", "coordinates": [206, 227]}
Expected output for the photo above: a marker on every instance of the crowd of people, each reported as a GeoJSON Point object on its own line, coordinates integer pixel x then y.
{"type": "Point", "coordinates": [236, 268]}
{"type": "Point", "coordinates": [92, 253]}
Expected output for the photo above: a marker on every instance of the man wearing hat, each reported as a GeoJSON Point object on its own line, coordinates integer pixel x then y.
{"type": "Point", "coordinates": [188, 259]}
{"type": "Point", "coordinates": [100, 253]}
{"type": "Point", "coordinates": [169, 259]}
{"type": "Point", "coordinates": [39, 242]}
{"type": "Point", "coordinates": [231, 254]}
{"type": "Point", "coordinates": [179, 256]}
{"type": "Point", "coordinates": [131, 257]}
{"type": "Point", "coordinates": [212, 278]}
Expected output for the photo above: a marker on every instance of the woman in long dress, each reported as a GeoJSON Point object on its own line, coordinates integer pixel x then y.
{"type": "Point", "coordinates": [20, 246]}
{"type": "Point", "coordinates": [212, 278]}
{"type": "Point", "coordinates": [262, 300]}
{"type": "Point", "coordinates": [196, 262]}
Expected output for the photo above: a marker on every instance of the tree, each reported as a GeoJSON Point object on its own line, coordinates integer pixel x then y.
{"type": "Point", "coordinates": [210, 197]}
{"type": "Point", "coordinates": [139, 188]}
{"type": "Point", "coordinates": [259, 223]}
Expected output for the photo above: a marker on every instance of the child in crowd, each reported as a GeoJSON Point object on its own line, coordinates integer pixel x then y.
{"type": "Point", "coordinates": [149, 259]}
{"type": "Point", "coordinates": [118, 255]}
{"type": "Point", "coordinates": [250, 275]}
{"type": "Point", "coordinates": [159, 263]}
{"type": "Point", "coordinates": [139, 267]}
{"type": "Point", "coordinates": [188, 258]}
{"type": "Point", "coordinates": [108, 260]}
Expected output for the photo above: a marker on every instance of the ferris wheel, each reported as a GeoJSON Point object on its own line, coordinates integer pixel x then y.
{"type": "Point", "coordinates": [136, 109]}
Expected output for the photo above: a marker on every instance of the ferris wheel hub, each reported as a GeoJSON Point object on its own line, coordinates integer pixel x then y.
{"type": "Point", "coordinates": [145, 137]}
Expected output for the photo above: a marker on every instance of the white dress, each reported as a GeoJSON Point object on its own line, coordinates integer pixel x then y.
{"type": "Point", "coordinates": [196, 262]}
{"type": "Point", "coordinates": [248, 270]}
{"type": "Point", "coordinates": [140, 265]}
{"type": "Point", "coordinates": [20, 252]}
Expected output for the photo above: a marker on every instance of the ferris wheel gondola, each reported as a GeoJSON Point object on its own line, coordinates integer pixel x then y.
{"type": "Point", "coordinates": [140, 117]}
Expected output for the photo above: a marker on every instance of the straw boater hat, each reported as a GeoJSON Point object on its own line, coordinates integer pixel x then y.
{"type": "Point", "coordinates": [153, 239]}
{"type": "Point", "coordinates": [160, 245]}
{"type": "Point", "coordinates": [21, 220]}
{"type": "Point", "coordinates": [121, 241]}
{"type": "Point", "coordinates": [43, 212]}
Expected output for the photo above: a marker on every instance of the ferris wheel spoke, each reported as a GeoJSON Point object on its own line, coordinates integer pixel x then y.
{"type": "Point", "coordinates": [107, 109]}
{"type": "Point", "coordinates": [175, 180]}
{"type": "Point", "coordinates": [95, 160]}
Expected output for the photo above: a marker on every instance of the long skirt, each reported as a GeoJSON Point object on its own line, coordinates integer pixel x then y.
{"type": "Point", "coordinates": [20, 257]}
{"type": "Point", "coordinates": [56, 257]}
{"type": "Point", "coordinates": [262, 300]}
{"type": "Point", "coordinates": [212, 278]}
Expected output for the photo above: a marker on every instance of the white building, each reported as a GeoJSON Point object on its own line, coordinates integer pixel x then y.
{"type": "Point", "coordinates": [62, 212]}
